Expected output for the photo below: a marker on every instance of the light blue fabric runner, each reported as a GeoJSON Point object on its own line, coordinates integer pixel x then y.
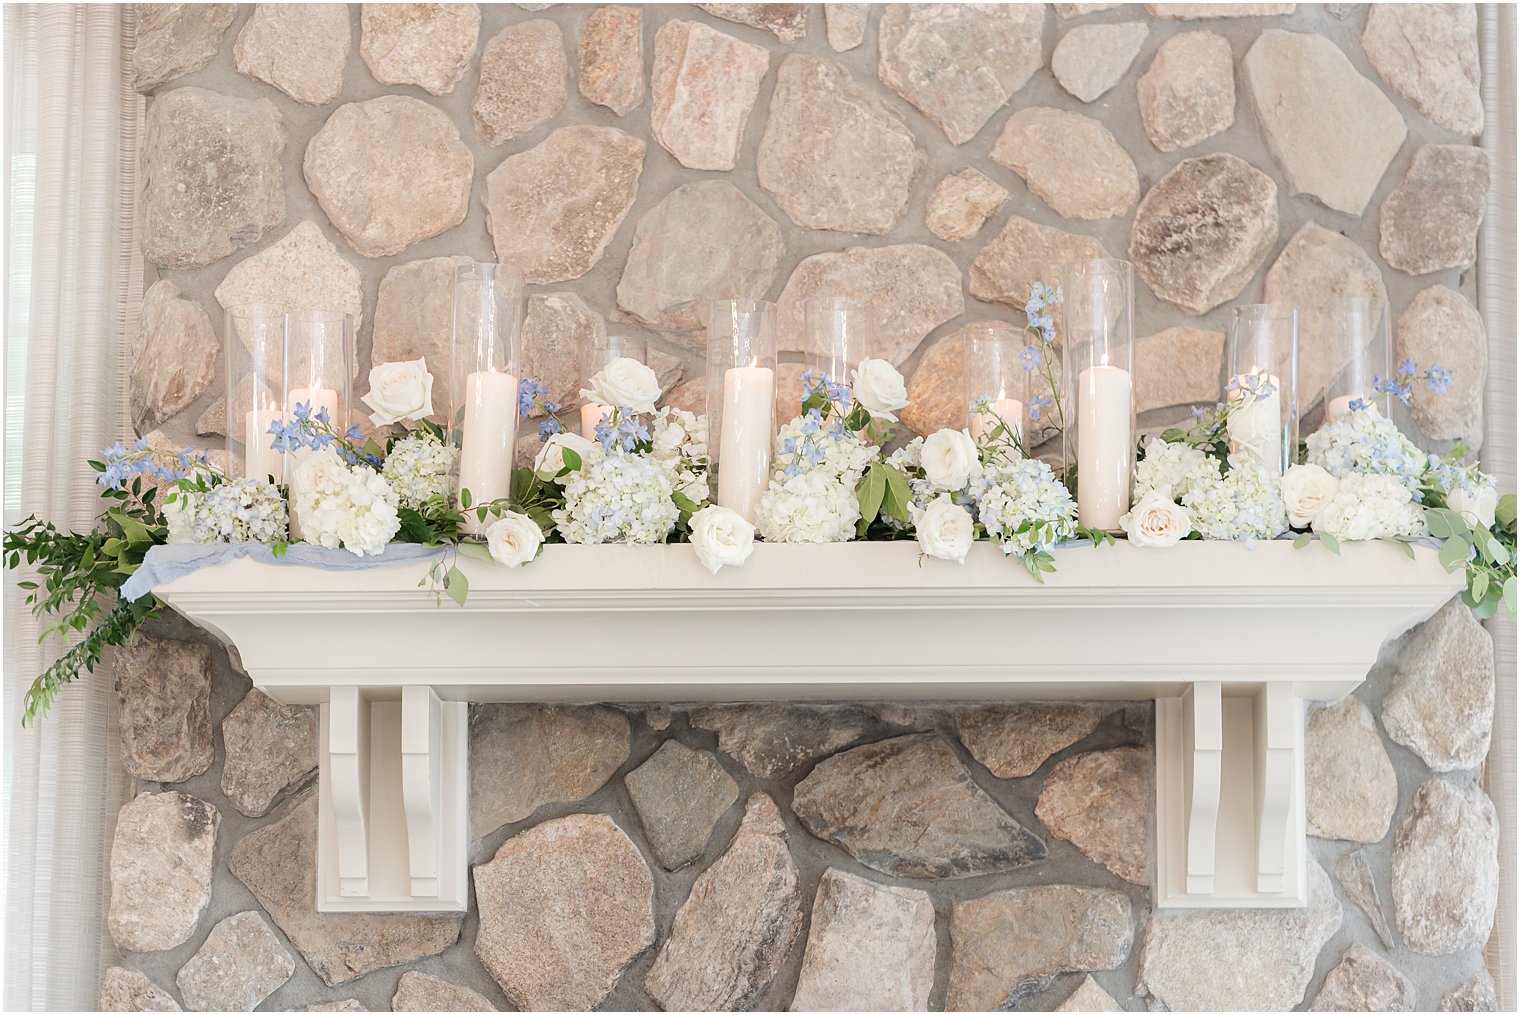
{"type": "Point", "coordinates": [166, 563]}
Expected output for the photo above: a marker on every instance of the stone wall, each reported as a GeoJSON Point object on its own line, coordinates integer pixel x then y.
{"type": "Point", "coordinates": [636, 162]}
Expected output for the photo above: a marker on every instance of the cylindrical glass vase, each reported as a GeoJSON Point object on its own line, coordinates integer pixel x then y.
{"type": "Point", "coordinates": [319, 358]}
{"type": "Point", "coordinates": [595, 355]}
{"type": "Point", "coordinates": [486, 368]}
{"type": "Point", "coordinates": [997, 382]}
{"type": "Point", "coordinates": [1361, 354]}
{"type": "Point", "coordinates": [1098, 318]}
{"type": "Point", "coordinates": [254, 394]}
{"type": "Point", "coordinates": [741, 398]}
{"type": "Point", "coordinates": [1263, 386]}
{"type": "Point", "coordinates": [837, 333]}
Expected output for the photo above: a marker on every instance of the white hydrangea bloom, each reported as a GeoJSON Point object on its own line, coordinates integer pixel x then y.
{"type": "Point", "coordinates": [1025, 491]}
{"type": "Point", "coordinates": [679, 440]}
{"type": "Point", "coordinates": [1366, 441]}
{"type": "Point", "coordinates": [1246, 504]}
{"type": "Point", "coordinates": [617, 497]}
{"type": "Point", "coordinates": [342, 505]}
{"type": "Point", "coordinates": [805, 444]}
{"type": "Point", "coordinates": [1173, 470]}
{"type": "Point", "coordinates": [810, 507]}
{"type": "Point", "coordinates": [1370, 506]}
{"type": "Point", "coordinates": [419, 467]}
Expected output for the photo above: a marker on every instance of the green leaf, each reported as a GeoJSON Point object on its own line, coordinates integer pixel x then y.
{"type": "Point", "coordinates": [872, 488]}
{"type": "Point", "coordinates": [685, 505]}
{"type": "Point", "coordinates": [278, 549]}
{"type": "Point", "coordinates": [134, 531]}
{"type": "Point", "coordinates": [572, 460]}
{"type": "Point", "coordinates": [899, 493]}
{"type": "Point", "coordinates": [1510, 594]}
{"type": "Point", "coordinates": [1504, 514]}
{"type": "Point", "coordinates": [456, 586]}
{"type": "Point", "coordinates": [477, 551]}
{"type": "Point", "coordinates": [1303, 540]}
{"type": "Point", "coordinates": [465, 500]}
{"type": "Point", "coordinates": [1408, 548]}
{"type": "Point", "coordinates": [1480, 581]}
{"type": "Point", "coordinates": [1331, 543]}
{"type": "Point", "coordinates": [1453, 555]}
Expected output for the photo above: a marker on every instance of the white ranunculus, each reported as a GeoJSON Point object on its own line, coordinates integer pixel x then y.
{"type": "Point", "coordinates": [1306, 489]}
{"type": "Point", "coordinates": [400, 391]}
{"type": "Point", "coordinates": [625, 384]}
{"type": "Point", "coordinates": [721, 536]}
{"type": "Point", "coordinates": [944, 529]}
{"type": "Point", "coordinates": [949, 459]}
{"type": "Point", "coordinates": [514, 539]}
{"type": "Point", "coordinates": [551, 457]}
{"type": "Point", "coordinates": [879, 388]}
{"type": "Point", "coordinates": [1157, 521]}
{"type": "Point", "coordinates": [1475, 503]}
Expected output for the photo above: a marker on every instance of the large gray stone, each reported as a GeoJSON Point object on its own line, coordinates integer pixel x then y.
{"type": "Point", "coordinates": [958, 63]}
{"type": "Point", "coordinates": [175, 39]}
{"type": "Point", "coordinates": [737, 926]}
{"type": "Point", "coordinates": [1332, 131]}
{"type": "Point", "coordinates": [1091, 59]}
{"type": "Point", "coordinates": [564, 907]}
{"type": "Point", "coordinates": [1363, 981]}
{"type": "Point", "coordinates": [961, 204]}
{"type": "Point", "coordinates": [1446, 869]}
{"type": "Point", "coordinates": [1100, 803]}
{"type": "Point", "coordinates": [389, 172]}
{"type": "Point", "coordinates": [909, 808]}
{"type": "Point", "coordinates": [834, 154]}
{"type": "Point", "coordinates": [1430, 221]}
{"type": "Point", "coordinates": [870, 947]}
{"type": "Point", "coordinates": [414, 319]}
{"type": "Point", "coordinates": [270, 747]}
{"type": "Point", "coordinates": [1203, 230]}
{"type": "Point", "coordinates": [553, 208]}
{"type": "Point", "coordinates": [611, 53]}
{"type": "Point", "coordinates": [1440, 327]}
{"type": "Point", "coordinates": [772, 740]}
{"type": "Point", "coordinates": [1070, 161]}
{"type": "Point", "coordinates": [1189, 12]}
{"type": "Point", "coordinates": [1188, 94]}
{"type": "Point", "coordinates": [1023, 253]}
{"type": "Point", "coordinates": [1014, 740]}
{"type": "Point", "coordinates": [1010, 944]}
{"type": "Point", "coordinates": [174, 358]}
{"type": "Point", "coordinates": [556, 327]}
{"type": "Point", "coordinates": [1089, 997]}
{"type": "Point", "coordinates": [1238, 959]}
{"type": "Point", "coordinates": [427, 45]}
{"type": "Point", "coordinates": [211, 180]}
{"type": "Point", "coordinates": [1441, 705]}
{"type": "Point", "coordinates": [1350, 787]}
{"type": "Point", "coordinates": [165, 716]}
{"type": "Point", "coordinates": [787, 22]}
{"type": "Point", "coordinates": [1477, 994]}
{"type": "Point", "coordinates": [128, 990]}
{"type": "Point", "coordinates": [1355, 877]}
{"type": "Point", "coordinates": [303, 271]}
{"type": "Point", "coordinates": [1428, 53]}
{"type": "Point", "coordinates": [301, 49]}
{"type": "Point", "coordinates": [239, 965]}
{"type": "Point", "coordinates": [278, 864]}
{"type": "Point", "coordinates": [845, 25]}
{"type": "Point", "coordinates": [523, 82]}
{"type": "Point", "coordinates": [703, 85]}
{"type": "Point", "coordinates": [424, 992]}
{"type": "Point", "coordinates": [1178, 366]}
{"type": "Point", "coordinates": [162, 857]}
{"type": "Point", "coordinates": [680, 794]}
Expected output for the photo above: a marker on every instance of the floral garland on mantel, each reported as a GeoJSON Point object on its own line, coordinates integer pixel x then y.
{"type": "Point", "coordinates": [643, 479]}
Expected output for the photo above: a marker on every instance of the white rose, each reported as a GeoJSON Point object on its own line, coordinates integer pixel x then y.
{"type": "Point", "coordinates": [551, 457]}
{"type": "Point", "coordinates": [513, 539]}
{"type": "Point", "coordinates": [944, 528]}
{"type": "Point", "coordinates": [1157, 521]}
{"type": "Point", "coordinates": [949, 459]}
{"type": "Point", "coordinates": [179, 511]}
{"type": "Point", "coordinates": [721, 536]}
{"type": "Point", "coordinates": [400, 391]}
{"type": "Point", "coordinates": [624, 384]}
{"type": "Point", "coordinates": [1306, 489]}
{"type": "Point", "coordinates": [1475, 504]}
{"type": "Point", "coordinates": [879, 388]}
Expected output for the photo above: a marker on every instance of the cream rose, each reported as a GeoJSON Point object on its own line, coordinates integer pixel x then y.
{"type": "Point", "coordinates": [949, 459]}
{"type": "Point", "coordinates": [721, 536]}
{"type": "Point", "coordinates": [514, 539]}
{"type": "Point", "coordinates": [400, 391]}
{"type": "Point", "coordinates": [1157, 521]}
{"type": "Point", "coordinates": [624, 384]}
{"type": "Point", "coordinates": [1475, 504]}
{"type": "Point", "coordinates": [879, 388]}
{"type": "Point", "coordinates": [944, 529]}
{"type": "Point", "coordinates": [551, 457]}
{"type": "Point", "coordinates": [1306, 489]}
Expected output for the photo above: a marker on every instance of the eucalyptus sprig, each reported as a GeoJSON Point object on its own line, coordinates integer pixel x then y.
{"type": "Point", "coordinates": [1485, 553]}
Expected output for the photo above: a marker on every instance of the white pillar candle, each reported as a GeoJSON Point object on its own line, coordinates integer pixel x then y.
{"type": "Point", "coordinates": [319, 397]}
{"type": "Point", "coordinates": [593, 413]}
{"type": "Point", "coordinates": [744, 449]}
{"type": "Point", "coordinates": [1104, 442]}
{"type": "Point", "coordinates": [1255, 426]}
{"type": "Point", "coordinates": [489, 432]}
{"type": "Point", "coordinates": [1009, 410]}
{"type": "Point", "coordinates": [1339, 407]}
{"type": "Point", "coordinates": [260, 459]}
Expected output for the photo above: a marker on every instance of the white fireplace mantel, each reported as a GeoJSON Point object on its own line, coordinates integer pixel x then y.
{"type": "Point", "coordinates": [1230, 640]}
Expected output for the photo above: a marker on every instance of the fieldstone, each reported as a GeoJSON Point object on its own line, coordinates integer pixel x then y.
{"type": "Point", "coordinates": [165, 716]}
{"type": "Point", "coordinates": [523, 81]}
{"type": "Point", "coordinates": [787, 22]}
{"type": "Point", "coordinates": [414, 319]}
{"type": "Point", "coordinates": [347, 1004]}
{"type": "Point", "coordinates": [303, 271]}
{"type": "Point", "coordinates": [908, 807]}
{"type": "Point", "coordinates": [734, 931]}
{"type": "Point", "coordinates": [704, 83]}
{"type": "Point", "coordinates": [175, 39]}
{"type": "Point", "coordinates": [1351, 789]}
{"type": "Point", "coordinates": [300, 49]}
{"type": "Point", "coordinates": [1099, 802]}
{"type": "Point", "coordinates": [680, 794]}
{"type": "Point", "coordinates": [525, 756]}
{"type": "Point", "coordinates": [278, 864]}
{"type": "Point", "coordinates": [211, 176]}
{"type": "Point", "coordinates": [270, 747]}
{"type": "Point", "coordinates": [552, 209]}
{"type": "Point", "coordinates": [1089, 996]}
{"type": "Point", "coordinates": [612, 58]}
{"type": "Point", "coordinates": [1014, 740]}
{"type": "Point", "coordinates": [241, 963]}
{"type": "Point", "coordinates": [1068, 11]}
{"type": "Point", "coordinates": [1193, 11]}
{"type": "Point", "coordinates": [1178, 366]}
{"type": "Point", "coordinates": [174, 358]}
{"type": "Point", "coordinates": [1428, 53]}
{"type": "Point", "coordinates": [1026, 252]}
{"type": "Point", "coordinates": [1446, 869]}
{"type": "Point", "coordinates": [1355, 877]}
{"type": "Point", "coordinates": [556, 327]}
{"type": "Point", "coordinates": [870, 948]}
{"type": "Point", "coordinates": [1188, 94]}
{"type": "Point", "coordinates": [772, 740]}
{"type": "Point", "coordinates": [1091, 59]}
{"type": "Point", "coordinates": [846, 25]}
{"type": "Point", "coordinates": [705, 241]}
{"type": "Point", "coordinates": [1430, 221]}
{"type": "Point", "coordinates": [128, 990]}
{"type": "Point", "coordinates": [914, 288]}
{"type": "Point", "coordinates": [427, 45]}
{"type": "Point", "coordinates": [962, 203]}
{"type": "Point", "coordinates": [1069, 161]}
{"type": "Point", "coordinates": [1439, 326]}
{"type": "Point", "coordinates": [958, 63]}
{"type": "Point", "coordinates": [1238, 959]}
{"type": "Point", "coordinates": [161, 862]}
{"type": "Point", "coordinates": [1203, 230]}
{"type": "Point", "coordinates": [425, 992]}
{"type": "Point", "coordinates": [1441, 705]}
{"type": "Point", "coordinates": [691, 396]}
{"type": "Point", "coordinates": [1010, 944]}
{"type": "Point", "coordinates": [389, 172]}
{"type": "Point", "coordinates": [1477, 994]}
{"type": "Point", "coordinates": [835, 155]}
{"type": "Point", "coordinates": [1362, 981]}
{"type": "Point", "coordinates": [1332, 131]}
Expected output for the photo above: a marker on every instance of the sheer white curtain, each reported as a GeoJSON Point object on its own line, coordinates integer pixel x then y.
{"type": "Point", "coordinates": [73, 285]}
